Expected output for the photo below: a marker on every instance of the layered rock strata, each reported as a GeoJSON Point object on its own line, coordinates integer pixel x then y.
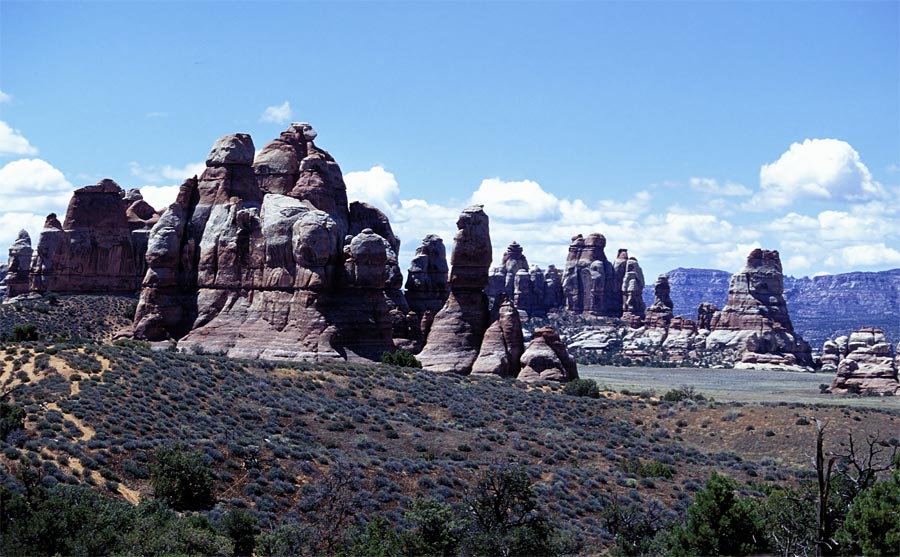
{"type": "Point", "coordinates": [100, 246]}
{"type": "Point", "coordinates": [456, 334]}
{"type": "Point", "coordinates": [266, 259]}
{"type": "Point", "coordinates": [864, 363]}
{"type": "Point", "coordinates": [754, 322]}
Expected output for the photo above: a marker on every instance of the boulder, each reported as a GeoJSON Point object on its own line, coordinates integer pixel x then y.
{"type": "Point", "coordinates": [546, 359]}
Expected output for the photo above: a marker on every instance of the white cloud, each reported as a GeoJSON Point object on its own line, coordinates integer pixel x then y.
{"type": "Point", "coordinates": [865, 256]}
{"type": "Point", "coordinates": [713, 187]}
{"type": "Point", "coordinates": [13, 143]}
{"type": "Point", "coordinates": [10, 225]}
{"type": "Point", "coordinates": [821, 169]}
{"type": "Point", "coordinates": [279, 114]}
{"type": "Point", "coordinates": [29, 190]}
{"type": "Point", "coordinates": [375, 186]}
{"type": "Point", "coordinates": [733, 259]}
{"type": "Point", "coordinates": [639, 204]}
{"type": "Point", "coordinates": [166, 173]}
{"type": "Point", "coordinates": [5, 98]}
{"type": "Point", "coordinates": [159, 197]}
{"type": "Point", "coordinates": [520, 201]}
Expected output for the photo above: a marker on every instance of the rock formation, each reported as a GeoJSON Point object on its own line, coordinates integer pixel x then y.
{"type": "Point", "coordinates": [266, 259]}
{"type": "Point", "coordinates": [455, 336]}
{"type": "Point", "coordinates": [98, 248]}
{"type": "Point", "coordinates": [16, 276]}
{"type": "Point", "coordinates": [546, 359]}
{"type": "Point", "coordinates": [660, 313]}
{"type": "Point", "coordinates": [633, 307]}
{"type": "Point", "coordinates": [755, 322]}
{"type": "Point", "coordinates": [427, 282]}
{"type": "Point", "coordinates": [705, 314]}
{"type": "Point", "coordinates": [533, 290]}
{"type": "Point", "coordinates": [503, 343]}
{"type": "Point", "coordinates": [590, 282]}
{"type": "Point", "coordinates": [864, 363]}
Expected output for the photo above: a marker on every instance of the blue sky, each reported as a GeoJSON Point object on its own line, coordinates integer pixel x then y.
{"type": "Point", "coordinates": [686, 132]}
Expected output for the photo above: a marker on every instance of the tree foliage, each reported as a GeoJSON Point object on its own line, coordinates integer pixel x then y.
{"type": "Point", "coordinates": [872, 526]}
{"type": "Point", "coordinates": [720, 522]}
{"type": "Point", "coordinates": [182, 478]}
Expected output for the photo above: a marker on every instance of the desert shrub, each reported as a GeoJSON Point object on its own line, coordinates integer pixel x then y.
{"type": "Point", "coordinates": [684, 392]}
{"type": "Point", "coordinates": [582, 387]}
{"type": "Point", "coordinates": [436, 528]}
{"type": "Point", "coordinates": [182, 478]}
{"type": "Point", "coordinates": [650, 469]}
{"type": "Point", "coordinates": [400, 358]}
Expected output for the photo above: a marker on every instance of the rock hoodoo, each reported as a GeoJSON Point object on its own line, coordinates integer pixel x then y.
{"type": "Point", "coordinates": [266, 259]}
{"type": "Point", "coordinates": [660, 313]}
{"type": "Point", "coordinates": [864, 363]}
{"type": "Point", "coordinates": [15, 279]}
{"type": "Point", "coordinates": [503, 343]}
{"type": "Point", "coordinates": [755, 322]}
{"type": "Point", "coordinates": [533, 290]}
{"type": "Point", "coordinates": [590, 282]}
{"type": "Point", "coordinates": [456, 333]}
{"type": "Point", "coordinates": [633, 307]}
{"type": "Point", "coordinates": [427, 282]}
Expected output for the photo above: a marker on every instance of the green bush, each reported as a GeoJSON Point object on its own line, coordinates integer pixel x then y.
{"type": "Point", "coordinates": [582, 387]}
{"type": "Point", "coordinates": [400, 358]}
{"type": "Point", "coordinates": [872, 526]}
{"type": "Point", "coordinates": [182, 478]}
{"type": "Point", "coordinates": [12, 418]}
{"type": "Point", "coordinates": [241, 527]}
{"type": "Point", "coordinates": [719, 523]}
{"type": "Point", "coordinates": [24, 332]}
{"type": "Point", "coordinates": [684, 392]}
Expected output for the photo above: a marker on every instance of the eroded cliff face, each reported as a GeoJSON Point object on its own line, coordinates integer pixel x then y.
{"type": "Point", "coordinates": [15, 276]}
{"type": "Point", "coordinates": [99, 247]}
{"type": "Point", "coordinates": [267, 259]}
{"type": "Point", "coordinates": [590, 282]}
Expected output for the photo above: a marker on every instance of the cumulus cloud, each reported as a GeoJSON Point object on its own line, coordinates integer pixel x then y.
{"type": "Point", "coordinates": [375, 186]}
{"type": "Point", "coordinates": [865, 256]}
{"type": "Point", "coordinates": [819, 169]}
{"type": "Point", "coordinates": [5, 98]}
{"type": "Point", "coordinates": [166, 173]}
{"type": "Point", "coordinates": [29, 190]}
{"type": "Point", "coordinates": [519, 201]}
{"type": "Point", "coordinates": [713, 187]}
{"type": "Point", "coordinates": [278, 114]}
{"type": "Point", "coordinates": [159, 197]}
{"type": "Point", "coordinates": [13, 143]}
{"type": "Point", "coordinates": [11, 223]}
{"type": "Point", "coordinates": [733, 259]}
